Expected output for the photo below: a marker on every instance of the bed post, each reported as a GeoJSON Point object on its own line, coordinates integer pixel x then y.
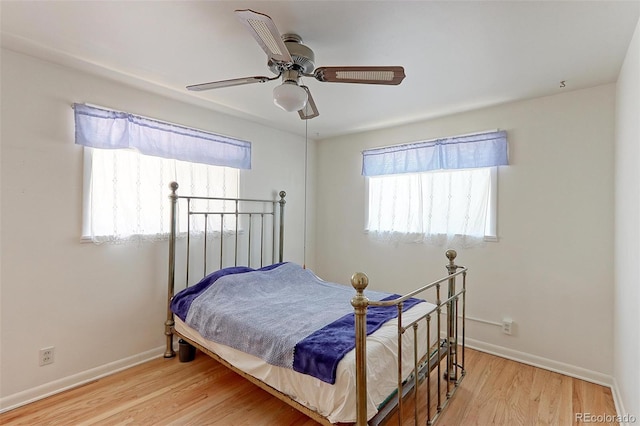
{"type": "Point", "coordinates": [282, 202]}
{"type": "Point", "coordinates": [169, 323]}
{"type": "Point", "coordinates": [359, 281]}
{"type": "Point", "coordinates": [452, 335]}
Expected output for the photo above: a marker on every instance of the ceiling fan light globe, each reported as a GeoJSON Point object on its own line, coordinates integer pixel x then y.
{"type": "Point", "coordinates": [290, 97]}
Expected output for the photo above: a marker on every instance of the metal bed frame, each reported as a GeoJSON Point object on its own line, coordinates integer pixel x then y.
{"type": "Point", "coordinates": [425, 383]}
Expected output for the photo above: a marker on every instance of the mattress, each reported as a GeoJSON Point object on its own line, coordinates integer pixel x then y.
{"type": "Point", "coordinates": [336, 402]}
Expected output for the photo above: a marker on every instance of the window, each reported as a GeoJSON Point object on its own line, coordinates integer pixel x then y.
{"type": "Point", "coordinates": [130, 161]}
{"type": "Point", "coordinates": [422, 192]}
{"type": "Point", "coordinates": [434, 206]}
{"type": "Point", "coordinates": [126, 193]}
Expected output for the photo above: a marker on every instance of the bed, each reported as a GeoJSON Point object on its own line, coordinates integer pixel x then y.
{"type": "Point", "coordinates": [304, 340]}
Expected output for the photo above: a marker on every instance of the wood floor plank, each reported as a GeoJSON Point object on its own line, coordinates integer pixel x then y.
{"type": "Point", "coordinates": [495, 391]}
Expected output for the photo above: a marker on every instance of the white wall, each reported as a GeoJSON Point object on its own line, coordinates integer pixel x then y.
{"type": "Point", "coordinates": [102, 307]}
{"type": "Point", "coordinates": [627, 233]}
{"type": "Point", "coordinates": [551, 271]}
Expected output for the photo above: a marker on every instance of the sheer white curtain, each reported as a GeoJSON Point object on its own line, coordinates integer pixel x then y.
{"type": "Point", "coordinates": [448, 207]}
{"type": "Point", "coordinates": [126, 193]}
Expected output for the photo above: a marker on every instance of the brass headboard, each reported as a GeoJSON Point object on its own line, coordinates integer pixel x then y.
{"type": "Point", "coordinates": [241, 220]}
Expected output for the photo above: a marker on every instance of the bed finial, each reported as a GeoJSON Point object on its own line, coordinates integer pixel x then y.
{"type": "Point", "coordinates": [451, 255]}
{"type": "Point", "coordinates": [359, 281]}
{"type": "Point", "coordinates": [452, 267]}
{"type": "Point", "coordinates": [282, 194]}
{"type": "Point", "coordinates": [174, 187]}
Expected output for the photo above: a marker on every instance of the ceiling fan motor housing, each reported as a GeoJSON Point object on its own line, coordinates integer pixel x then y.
{"type": "Point", "coordinates": [302, 56]}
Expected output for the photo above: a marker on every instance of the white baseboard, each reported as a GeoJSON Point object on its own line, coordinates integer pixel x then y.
{"type": "Point", "coordinates": [541, 362]}
{"type": "Point", "coordinates": [617, 400]}
{"type": "Point", "coordinates": [30, 395]}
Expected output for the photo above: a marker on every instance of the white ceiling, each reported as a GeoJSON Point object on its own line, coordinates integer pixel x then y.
{"type": "Point", "coordinates": [457, 55]}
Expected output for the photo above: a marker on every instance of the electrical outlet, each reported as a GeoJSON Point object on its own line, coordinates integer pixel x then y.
{"type": "Point", "coordinates": [507, 325]}
{"type": "Point", "coordinates": [46, 356]}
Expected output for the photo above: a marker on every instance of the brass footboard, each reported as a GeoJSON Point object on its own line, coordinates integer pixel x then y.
{"type": "Point", "coordinates": [443, 349]}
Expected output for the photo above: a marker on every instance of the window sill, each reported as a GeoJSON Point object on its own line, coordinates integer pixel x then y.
{"type": "Point", "coordinates": [163, 237]}
{"type": "Point", "coordinates": [486, 238]}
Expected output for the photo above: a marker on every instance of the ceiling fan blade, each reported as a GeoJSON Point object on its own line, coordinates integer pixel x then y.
{"type": "Point", "coordinates": [365, 75]}
{"type": "Point", "coordinates": [228, 83]}
{"type": "Point", "coordinates": [309, 111]}
{"type": "Point", "coordinates": [266, 34]}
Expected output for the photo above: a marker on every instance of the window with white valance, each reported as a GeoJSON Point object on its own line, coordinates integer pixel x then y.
{"type": "Point", "coordinates": [439, 191]}
{"type": "Point", "coordinates": [130, 161]}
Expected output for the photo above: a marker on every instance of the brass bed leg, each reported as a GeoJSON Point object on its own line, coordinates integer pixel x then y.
{"type": "Point", "coordinates": [282, 202]}
{"type": "Point", "coordinates": [168, 332]}
{"type": "Point", "coordinates": [169, 323]}
{"type": "Point", "coordinates": [452, 340]}
{"type": "Point", "coordinates": [359, 281]}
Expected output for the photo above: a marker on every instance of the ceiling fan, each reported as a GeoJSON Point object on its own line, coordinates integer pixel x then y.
{"type": "Point", "coordinates": [290, 59]}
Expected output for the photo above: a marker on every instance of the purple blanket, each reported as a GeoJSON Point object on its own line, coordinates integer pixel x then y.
{"type": "Point", "coordinates": [301, 339]}
{"type": "Point", "coordinates": [319, 353]}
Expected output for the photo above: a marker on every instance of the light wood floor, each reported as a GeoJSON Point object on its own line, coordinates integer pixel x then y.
{"type": "Point", "coordinates": [495, 391]}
